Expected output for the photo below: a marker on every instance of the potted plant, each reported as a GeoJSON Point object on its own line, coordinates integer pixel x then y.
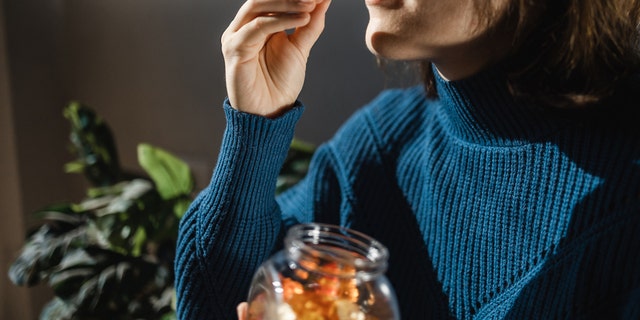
{"type": "Point", "coordinates": [111, 255]}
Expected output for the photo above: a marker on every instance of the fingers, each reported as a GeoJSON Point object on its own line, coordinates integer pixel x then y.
{"type": "Point", "coordinates": [257, 20]}
{"type": "Point", "coordinates": [255, 8]}
{"type": "Point", "coordinates": [305, 37]}
{"type": "Point", "coordinates": [252, 36]}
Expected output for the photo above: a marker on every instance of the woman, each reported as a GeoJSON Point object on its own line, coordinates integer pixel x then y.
{"type": "Point", "coordinates": [508, 186]}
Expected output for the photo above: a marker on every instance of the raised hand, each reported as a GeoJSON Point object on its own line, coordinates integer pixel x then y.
{"type": "Point", "coordinates": [265, 66]}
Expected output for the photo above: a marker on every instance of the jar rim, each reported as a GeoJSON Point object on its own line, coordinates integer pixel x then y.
{"type": "Point", "coordinates": [338, 244]}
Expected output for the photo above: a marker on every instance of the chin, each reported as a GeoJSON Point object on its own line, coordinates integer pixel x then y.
{"type": "Point", "coordinates": [392, 47]}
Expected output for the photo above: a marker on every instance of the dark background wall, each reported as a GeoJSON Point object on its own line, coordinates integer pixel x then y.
{"type": "Point", "coordinates": [154, 71]}
{"type": "Point", "coordinates": [14, 302]}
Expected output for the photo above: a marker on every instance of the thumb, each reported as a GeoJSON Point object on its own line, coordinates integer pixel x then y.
{"type": "Point", "coordinates": [305, 37]}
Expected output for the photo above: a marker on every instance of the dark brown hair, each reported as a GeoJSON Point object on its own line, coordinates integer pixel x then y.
{"type": "Point", "coordinates": [566, 52]}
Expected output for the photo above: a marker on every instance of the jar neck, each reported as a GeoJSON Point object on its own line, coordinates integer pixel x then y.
{"type": "Point", "coordinates": [336, 251]}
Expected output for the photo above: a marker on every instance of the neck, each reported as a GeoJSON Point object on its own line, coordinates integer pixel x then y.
{"type": "Point", "coordinates": [480, 109]}
{"type": "Point", "coordinates": [465, 60]}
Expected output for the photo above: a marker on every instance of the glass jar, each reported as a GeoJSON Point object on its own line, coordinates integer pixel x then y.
{"type": "Point", "coordinates": [324, 272]}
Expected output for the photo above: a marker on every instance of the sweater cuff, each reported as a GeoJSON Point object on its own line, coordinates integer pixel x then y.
{"type": "Point", "coordinates": [252, 153]}
{"type": "Point", "coordinates": [262, 129]}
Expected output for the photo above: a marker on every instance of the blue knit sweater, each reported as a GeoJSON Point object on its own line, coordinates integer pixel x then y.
{"type": "Point", "coordinates": [491, 207]}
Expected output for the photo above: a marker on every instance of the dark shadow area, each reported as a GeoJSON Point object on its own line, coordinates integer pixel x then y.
{"type": "Point", "coordinates": [596, 266]}
{"type": "Point", "coordinates": [410, 266]}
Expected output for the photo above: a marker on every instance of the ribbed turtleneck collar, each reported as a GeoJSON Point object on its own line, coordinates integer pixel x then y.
{"type": "Point", "coordinates": [481, 110]}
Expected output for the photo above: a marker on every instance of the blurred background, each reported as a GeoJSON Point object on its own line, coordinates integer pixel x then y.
{"type": "Point", "coordinates": [153, 70]}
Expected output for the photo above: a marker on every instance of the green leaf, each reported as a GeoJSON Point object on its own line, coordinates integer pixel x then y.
{"type": "Point", "coordinates": [64, 213]}
{"type": "Point", "coordinates": [302, 146]}
{"type": "Point", "coordinates": [44, 250]}
{"type": "Point", "coordinates": [139, 240]}
{"type": "Point", "coordinates": [74, 167]}
{"type": "Point", "coordinates": [57, 309]}
{"type": "Point", "coordinates": [296, 164]}
{"type": "Point", "coordinates": [180, 207]}
{"type": "Point", "coordinates": [169, 316]}
{"type": "Point", "coordinates": [115, 189]}
{"type": "Point", "coordinates": [102, 282]}
{"type": "Point", "coordinates": [94, 146]}
{"type": "Point", "coordinates": [171, 175]}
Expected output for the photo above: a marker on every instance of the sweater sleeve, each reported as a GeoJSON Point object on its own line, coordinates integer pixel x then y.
{"type": "Point", "coordinates": [237, 222]}
{"type": "Point", "coordinates": [233, 224]}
